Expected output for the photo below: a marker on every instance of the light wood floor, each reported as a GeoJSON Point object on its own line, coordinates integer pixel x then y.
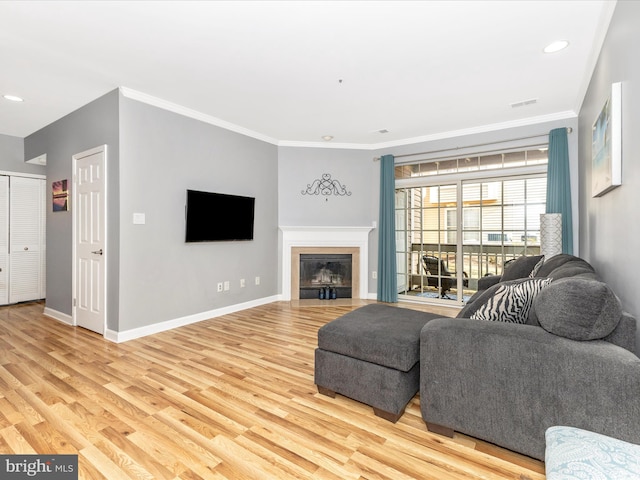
{"type": "Point", "coordinates": [231, 397]}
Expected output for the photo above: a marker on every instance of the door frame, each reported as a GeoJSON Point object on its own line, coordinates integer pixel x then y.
{"type": "Point", "coordinates": [75, 158]}
{"type": "Point", "coordinates": [460, 180]}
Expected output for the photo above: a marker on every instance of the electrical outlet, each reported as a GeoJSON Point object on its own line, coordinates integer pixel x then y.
{"type": "Point", "coordinates": [257, 280]}
{"type": "Point", "coordinates": [374, 274]}
{"type": "Point", "coordinates": [242, 283]}
{"type": "Point", "coordinates": [227, 286]}
{"type": "Point", "coordinates": [220, 286]}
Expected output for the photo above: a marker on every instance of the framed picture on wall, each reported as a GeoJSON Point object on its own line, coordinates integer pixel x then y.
{"type": "Point", "coordinates": [606, 145]}
{"type": "Point", "coordinates": [60, 194]}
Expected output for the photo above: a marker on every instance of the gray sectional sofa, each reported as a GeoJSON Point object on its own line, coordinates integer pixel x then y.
{"type": "Point", "coordinates": [573, 362]}
{"type": "Point", "coordinates": [558, 350]}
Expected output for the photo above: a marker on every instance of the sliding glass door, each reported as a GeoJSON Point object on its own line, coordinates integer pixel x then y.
{"type": "Point", "coordinates": [427, 241]}
{"type": "Point", "coordinates": [505, 225]}
{"type": "Point", "coordinates": [449, 235]}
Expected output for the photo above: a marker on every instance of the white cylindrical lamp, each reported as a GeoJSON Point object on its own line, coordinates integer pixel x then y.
{"type": "Point", "coordinates": [550, 234]}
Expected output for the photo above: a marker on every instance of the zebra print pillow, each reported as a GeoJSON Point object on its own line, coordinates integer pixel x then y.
{"type": "Point", "coordinates": [511, 303]}
{"type": "Point", "coordinates": [536, 268]}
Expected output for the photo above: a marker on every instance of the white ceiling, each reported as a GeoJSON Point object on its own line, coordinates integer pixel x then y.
{"type": "Point", "coordinates": [290, 72]}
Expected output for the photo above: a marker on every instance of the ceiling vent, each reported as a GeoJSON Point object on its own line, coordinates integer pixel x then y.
{"type": "Point", "coordinates": [524, 103]}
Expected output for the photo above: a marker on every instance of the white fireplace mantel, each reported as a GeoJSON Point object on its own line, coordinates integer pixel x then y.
{"type": "Point", "coordinates": [325, 237]}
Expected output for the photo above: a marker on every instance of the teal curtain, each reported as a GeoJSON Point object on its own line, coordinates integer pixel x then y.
{"type": "Point", "coordinates": [387, 273]}
{"type": "Point", "coordinates": [559, 184]}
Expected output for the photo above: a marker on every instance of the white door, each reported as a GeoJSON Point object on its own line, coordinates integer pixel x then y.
{"type": "Point", "coordinates": [4, 240]}
{"type": "Point", "coordinates": [90, 241]}
{"type": "Point", "coordinates": [26, 219]}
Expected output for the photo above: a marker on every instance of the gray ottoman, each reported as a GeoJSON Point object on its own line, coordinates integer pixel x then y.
{"type": "Point", "coordinates": [372, 355]}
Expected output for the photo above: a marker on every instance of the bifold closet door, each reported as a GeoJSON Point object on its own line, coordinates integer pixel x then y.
{"type": "Point", "coordinates": [26, 242]}
{"type": "Point", "coordinates": [4, 239]}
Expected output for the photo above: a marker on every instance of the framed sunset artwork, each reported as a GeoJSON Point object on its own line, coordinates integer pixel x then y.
{"type": "Point", "coordinates": [60, 194]}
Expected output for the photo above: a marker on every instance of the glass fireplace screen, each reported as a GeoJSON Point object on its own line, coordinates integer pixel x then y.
{"type": "Point", "coordinates": [325, 271]}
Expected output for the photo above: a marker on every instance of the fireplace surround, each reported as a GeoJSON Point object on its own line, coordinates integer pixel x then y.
{"type": "Point", "coordinates": [319, 240]}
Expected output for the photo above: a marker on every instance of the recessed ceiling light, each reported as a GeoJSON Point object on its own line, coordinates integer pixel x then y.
{"type": "Point", "coordinates": [13, 98]}
{"type": "Point", "coordinates": [556, 46]}
{"type": "Point", "coordinates": [327, 138]}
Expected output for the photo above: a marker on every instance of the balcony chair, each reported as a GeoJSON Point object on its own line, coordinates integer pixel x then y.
{"type": "Point", "coordinates": [437, 270]}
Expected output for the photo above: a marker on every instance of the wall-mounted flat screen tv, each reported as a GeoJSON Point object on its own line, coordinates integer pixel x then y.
{"type": "Point", "coordinates": [217, 217]}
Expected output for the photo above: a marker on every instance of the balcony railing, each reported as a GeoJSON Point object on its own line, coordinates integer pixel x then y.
{"type": "Point", "coordinates": [477, 260]}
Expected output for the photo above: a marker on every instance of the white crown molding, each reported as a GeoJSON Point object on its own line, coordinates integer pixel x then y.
{"type": "Point", "coordinates": [334, 146]}
{"type": "Point", "coordinates": [568, 114]}
{"type": "Point", "coordinates": [437, 136]}
{"type": "Point", "coordinates": [608, 8]}
{"type": "Point", "coordinates": [189, 112]}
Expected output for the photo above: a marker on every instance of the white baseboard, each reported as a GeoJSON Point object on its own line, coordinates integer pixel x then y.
{"type": "Point", "coordinates": [119, 337]}
{"type": "Point", "coordinates": [61, 317]}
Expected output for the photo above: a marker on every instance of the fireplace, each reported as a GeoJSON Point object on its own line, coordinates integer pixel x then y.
{"type": "Point", "coordinates": [325, 275]}
{"type": "Point", "coordinates": [297, 241]}
{"type": "Point", "coordinates": [330, 265]}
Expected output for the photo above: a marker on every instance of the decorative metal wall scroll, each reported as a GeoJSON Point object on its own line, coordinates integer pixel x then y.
{"type": "Point", "coordinates": [326, 186]}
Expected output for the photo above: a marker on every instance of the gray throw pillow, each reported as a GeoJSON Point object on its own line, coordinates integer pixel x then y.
{"type": "Point", "coordinates": [578, 308]}
{"type": "Point", "coordinates": [521, 267]}
{"type": "Point", "coordinates": [511, 302]}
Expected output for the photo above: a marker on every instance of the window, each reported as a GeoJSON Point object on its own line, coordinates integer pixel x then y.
{"type": "Point", "coordinates": [488, 213]}
{"type": "Point", "coordinates": [471, 222]}
{"type": "Point", "coordinates": [509, 222]}
{"type": "Point", "coordinates": [492, 161]}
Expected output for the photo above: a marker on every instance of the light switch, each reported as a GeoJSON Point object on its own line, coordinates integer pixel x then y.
{"type": "Point", "coordinates": [139, 219]}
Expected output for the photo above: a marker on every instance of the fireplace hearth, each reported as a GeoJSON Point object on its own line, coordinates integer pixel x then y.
{"type": "Point", "coordinates": [325, 276]}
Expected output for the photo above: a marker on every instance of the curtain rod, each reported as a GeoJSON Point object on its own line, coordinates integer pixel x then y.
{"type": "Point", "coordinates": [375, 159]}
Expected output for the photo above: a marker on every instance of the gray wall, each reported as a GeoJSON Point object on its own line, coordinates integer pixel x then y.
{"type": "Point", "coordinates": [90, 126]}
{"type": "Point", "coordinates": [609, 227]}
{"type": "Point", "coordinates": [298, 167]}
{"type": "Point", "coordinates": [162, 154]}
{"type": "Point", "coordinates": [153, 157]}
{"type": "Point", "coordinates": [12, 157]}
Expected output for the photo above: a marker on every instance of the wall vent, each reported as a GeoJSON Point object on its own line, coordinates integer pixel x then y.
{"type": "Point", "coordinates": [524, 103]}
